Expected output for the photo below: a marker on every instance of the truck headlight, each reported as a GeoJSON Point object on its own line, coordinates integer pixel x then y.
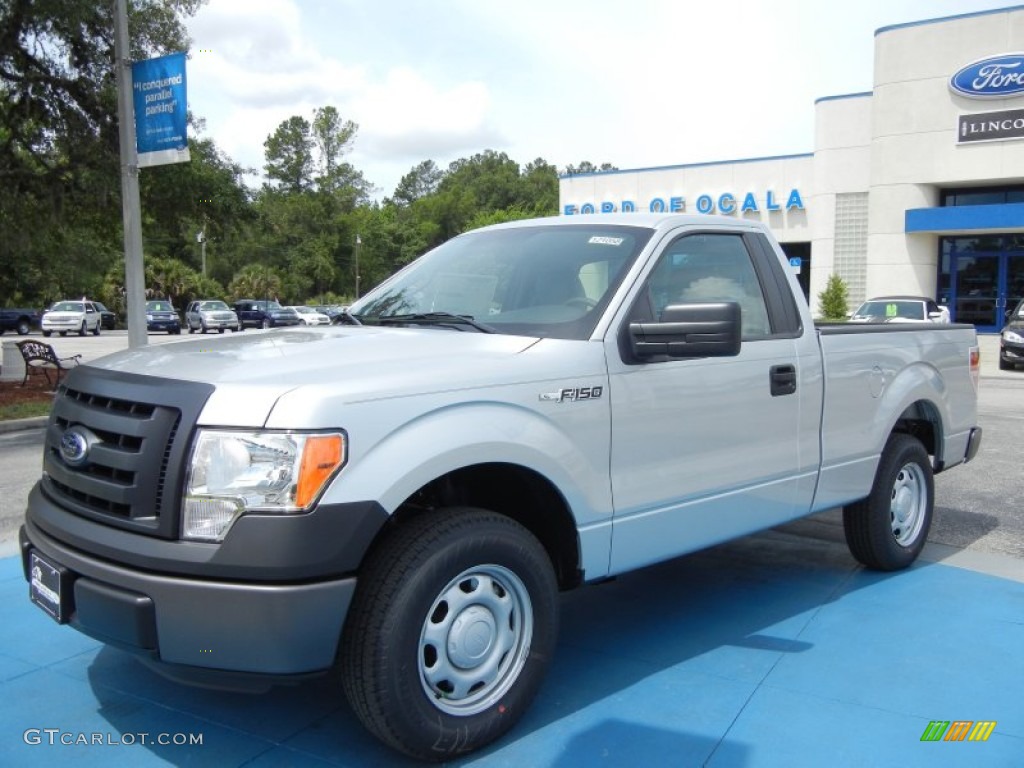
{"type": "Point", "coordinates": [234, 472]}
{"type": "Point", "coordinates": [1013, 337]}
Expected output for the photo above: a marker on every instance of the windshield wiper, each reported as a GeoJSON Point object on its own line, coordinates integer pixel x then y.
{"type": "Point", "coordinates": [435, 318]}
{"type": "Point", "coordinates": [347, 318]}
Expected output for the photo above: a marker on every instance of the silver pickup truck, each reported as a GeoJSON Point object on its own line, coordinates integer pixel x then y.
{"type": "Point", "coordinates": [527, 408]}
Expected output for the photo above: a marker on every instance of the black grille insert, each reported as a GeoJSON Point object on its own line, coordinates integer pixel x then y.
{"type": "Point", "coordinates": [132, 475]}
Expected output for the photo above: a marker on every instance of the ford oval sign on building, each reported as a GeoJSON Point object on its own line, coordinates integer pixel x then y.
{"type": "Point", "coordinates": [994, 77]}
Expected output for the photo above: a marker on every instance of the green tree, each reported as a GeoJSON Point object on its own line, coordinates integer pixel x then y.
{"type": "Point", "coordinates": [255, 281]}
{"type": "Point", "coordinates": [60, 211]}
{"type": "Point", "coordinates": [588, 167]}
{"type": "Point", "coordinates": [833, 300]}
{"type": "Point", "coordinates": [419, 182]}
{"type": "Point", "coordinates": [289, 155]}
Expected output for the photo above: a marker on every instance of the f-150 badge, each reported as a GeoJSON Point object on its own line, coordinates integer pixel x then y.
{"type": "Point", "coordinates": [572, 393]}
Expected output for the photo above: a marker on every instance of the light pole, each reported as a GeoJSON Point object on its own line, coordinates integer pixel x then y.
{"type": "Point", "coordinates": [201, 239]}
{"type": "Point", "coordinates": [359, 242]}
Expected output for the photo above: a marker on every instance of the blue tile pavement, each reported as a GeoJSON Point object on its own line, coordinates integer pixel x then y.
{"type": "Point", "coordinates": [772, 651]}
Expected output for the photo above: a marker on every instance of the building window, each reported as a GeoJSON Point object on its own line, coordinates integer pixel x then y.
{"type": "Point", "coordinates": [850, 257]}
{"type": "Point", "coordinates": [983, 196]}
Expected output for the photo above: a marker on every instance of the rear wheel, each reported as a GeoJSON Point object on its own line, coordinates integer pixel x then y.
{"type": "Point", "coordinates": [47, 333]}
{"type": "Point", "coordinates": [23, 328]}
{"type": "Point", "coordinates": [887, 530]}
{"type": "Point", "coordinates": [450, 632]}
{"type": "Point", "coordinates": [63, 333]}
{"type": "Point", "coordinates": [265, 323]}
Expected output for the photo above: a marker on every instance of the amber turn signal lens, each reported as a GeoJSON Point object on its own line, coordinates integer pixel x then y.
{"type": "Point", "coordinates": [321, 455]}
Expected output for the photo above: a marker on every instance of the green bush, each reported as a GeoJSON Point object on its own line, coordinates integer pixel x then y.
{"type": "Point", "coordinates": [832, 301]}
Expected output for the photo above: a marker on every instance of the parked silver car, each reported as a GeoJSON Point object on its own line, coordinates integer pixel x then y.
{"type": "Point", "coordinates": [210, 315]}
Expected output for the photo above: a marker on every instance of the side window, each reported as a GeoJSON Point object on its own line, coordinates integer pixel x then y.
{"type": "Point", "coordinates": [709, 267]}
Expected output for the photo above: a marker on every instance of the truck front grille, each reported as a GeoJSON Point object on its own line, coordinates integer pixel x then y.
{"type": "Point", "coordinates": [139, 429]}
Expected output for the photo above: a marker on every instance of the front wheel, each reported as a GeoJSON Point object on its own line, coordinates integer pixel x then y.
{"type": "Point", "coordinates": [450, 632]}
{"type": "Point", "coordinates": [96, 330]}
{"type": "Point", "coordinates": [1005, 366]}
{"type": "Point", "coordinates": [47, 333]}
{"type": "Point", "coordinates": [23, 328]}
{"type": "Point", "coordinates": [81, 331]}
{"type": "Point", "coordinates": [887, 530]}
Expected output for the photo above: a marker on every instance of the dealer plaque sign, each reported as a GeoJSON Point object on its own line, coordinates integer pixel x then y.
{"type": "Point", "coordinates": [991, 126]}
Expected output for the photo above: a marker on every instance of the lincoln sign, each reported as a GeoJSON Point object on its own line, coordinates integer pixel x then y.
{"type": "Point", "coordinates": [991, 126]}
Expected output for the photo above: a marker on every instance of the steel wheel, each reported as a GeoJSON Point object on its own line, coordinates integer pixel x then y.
{"type": "Point", "coordinates": [888, 529]}
{"type": "Point", "coordinates": [475, 639]}
{"type": "Point", "coordinates": [908, 504]}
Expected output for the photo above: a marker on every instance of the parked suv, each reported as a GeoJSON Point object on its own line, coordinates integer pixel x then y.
{"type": "Point", "coordinates": [210, 315]}
{"type": "Point", "coordinates": [254, 313]}
{"type": "Point", "coordinates": [161, 316]}
{"type": "Point", "coordinates": [81, 316]}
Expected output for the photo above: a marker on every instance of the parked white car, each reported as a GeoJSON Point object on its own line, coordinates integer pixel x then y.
{"type": "Point", "coordinates": [81, 316]}
{"type": "Point", "coordinates": [900, 309]}
{"type": "Point", "coordinates": [310, 316]}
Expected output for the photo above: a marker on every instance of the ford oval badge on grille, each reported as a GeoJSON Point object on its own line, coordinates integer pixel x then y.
{"type": "Point", "coordinates": [75, 444]}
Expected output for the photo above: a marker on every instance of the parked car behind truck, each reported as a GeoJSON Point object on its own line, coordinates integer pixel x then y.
{"type": "Point", "coordinates": [80, 317]}
{"type": "Point", "coordinates": [525, 409]}
{"type": "Point", "coordinates": [21, 320]}
{"type": "Point", "coordinates": [211, 315]}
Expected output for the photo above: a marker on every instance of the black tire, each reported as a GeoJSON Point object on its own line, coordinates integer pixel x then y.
{"type": "Point", "coordinates": [83, 329]}
{"type": "Point", "coordinates": [265, 323]}
{"type": "Point", "coordinates": [63, 333]}
{"type": "Point", "coordinates": [502, 577]}
{"type": "Point", "coordinates": [47, 333]}
{"type": "Point", "coordinates": [219, 330]}
{"type": "Point", "coordinates": [96, 330]}
{"type": "Point", "coordinates": [887, 530]}
{"type": "Point", "coordinates": [23, 327]}
{"type": "Point", "coordinates": [1005, 366]}
{"type": "Point", "coordinates": [202, 328]}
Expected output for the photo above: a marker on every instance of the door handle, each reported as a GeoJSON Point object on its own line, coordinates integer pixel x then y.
{"type": "Point", "coordinates": [782, 379]}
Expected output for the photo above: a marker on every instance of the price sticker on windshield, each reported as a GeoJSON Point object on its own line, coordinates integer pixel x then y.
{"type": "Point", "coordinates": [596, 240]}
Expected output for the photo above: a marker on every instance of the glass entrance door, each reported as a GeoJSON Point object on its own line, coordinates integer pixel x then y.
{"type": "Point", "coordinates": [982, 278]}
{"type": "Point", "coordinates": [976, 287]}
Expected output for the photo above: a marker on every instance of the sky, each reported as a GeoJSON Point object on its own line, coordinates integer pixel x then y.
{"type": "Point", "coordinates": [637, 84]}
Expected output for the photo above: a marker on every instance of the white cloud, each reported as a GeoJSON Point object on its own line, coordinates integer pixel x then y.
{"type": "Point", "coordinates": [253, 66]}
{"type": "Point", "coordinates": [408, 116]}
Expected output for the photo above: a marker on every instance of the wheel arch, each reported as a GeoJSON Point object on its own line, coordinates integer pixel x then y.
{"type": "Point", "coordinates": [517, 492]}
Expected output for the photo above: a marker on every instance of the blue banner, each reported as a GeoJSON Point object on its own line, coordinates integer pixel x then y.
{"type": "Point", "coordinates": [161, 105]}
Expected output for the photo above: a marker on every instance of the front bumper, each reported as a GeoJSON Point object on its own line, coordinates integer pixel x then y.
{"type": "Point", "coordinates": [263, 629]}
{"type": "Point", "coordinates": [1011, 352]}
{"type": "Point", "coordinates": [267, 603]}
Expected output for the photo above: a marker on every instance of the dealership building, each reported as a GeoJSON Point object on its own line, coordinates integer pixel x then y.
{"type": "Point", "coordinates": [915, 187]}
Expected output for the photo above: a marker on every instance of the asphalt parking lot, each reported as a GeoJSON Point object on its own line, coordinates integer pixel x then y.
{"type": "Point", "coordinates": [774, 650]}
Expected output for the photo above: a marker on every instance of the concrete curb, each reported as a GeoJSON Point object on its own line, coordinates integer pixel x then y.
{"type": "Point", "coordinates": [16, 425]}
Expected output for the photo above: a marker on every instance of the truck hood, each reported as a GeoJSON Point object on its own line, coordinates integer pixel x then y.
{"type": "Point", "coordinates": [252, 370]}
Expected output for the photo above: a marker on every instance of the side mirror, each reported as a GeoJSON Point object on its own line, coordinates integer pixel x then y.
{"type": "Point", "coordinates": [934, 315]}
{"type": "Point", "coordinates": [689, 330]}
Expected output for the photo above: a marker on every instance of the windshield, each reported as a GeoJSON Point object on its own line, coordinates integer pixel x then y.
{"type": "Point", "coordinates": [68, 306]}
{"type": "Point", "coordinates": [209, 305]}
{"type": "Point", "coordinates": [158, 306]}
{"type": "Point", "coordinates": [552, 281]}
{"type": "Point", "coordinates": [912, 310]}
